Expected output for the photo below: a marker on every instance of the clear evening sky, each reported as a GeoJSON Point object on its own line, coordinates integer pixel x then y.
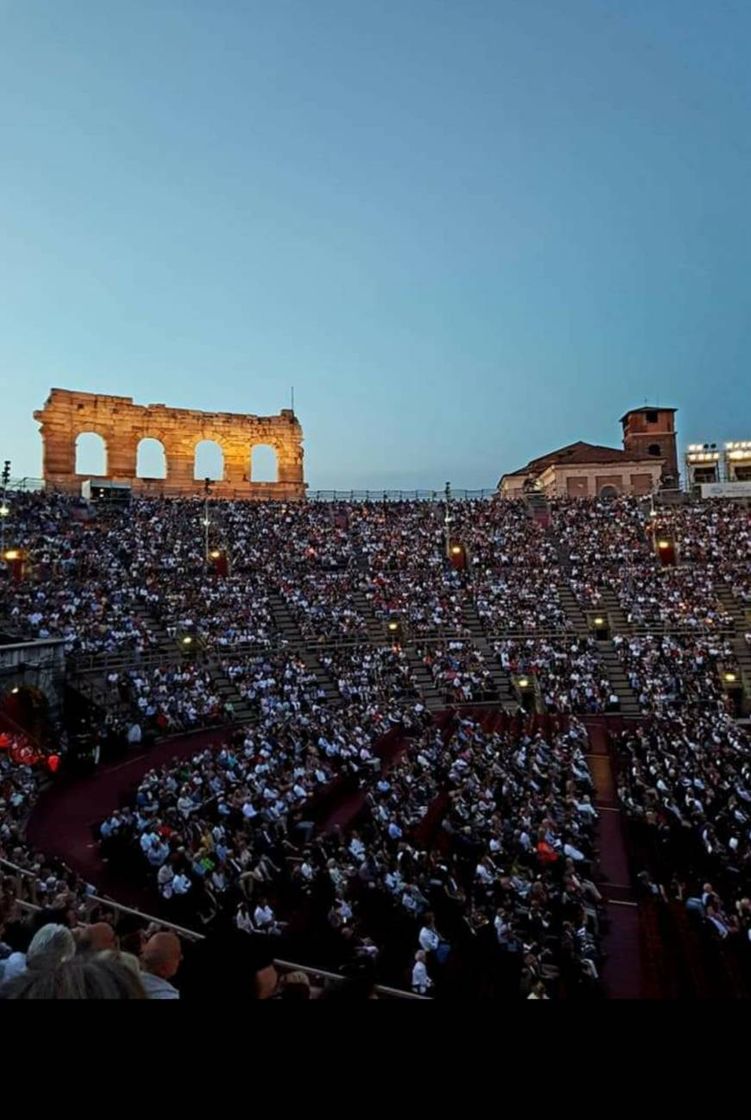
{"type": "Point", "coordinates": [466, 231]}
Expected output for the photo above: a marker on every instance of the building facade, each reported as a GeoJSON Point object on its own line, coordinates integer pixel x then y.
{"type": "Point", "coordinates": [647, 461]}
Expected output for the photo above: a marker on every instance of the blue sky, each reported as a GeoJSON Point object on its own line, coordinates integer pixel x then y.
{"type": "Point", "coordinates": [467, 231]}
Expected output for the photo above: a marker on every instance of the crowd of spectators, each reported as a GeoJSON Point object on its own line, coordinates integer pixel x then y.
{"type": "Point", "coordinates": [568, 671]}
{"type": "Point", "coordinates": [322, 605]}
{"type": "Point", "coordinates": [276, 683]}
{"type": "Point", "coordinates": [670, 673]}
{"type": "Point", "coordinates": [173, 698]}
{"type": "Point", "coordinates": [521, 600]}
{"type": "Point", "coordinates": [127, 581]}
{"type": "Point", "coordinates": [685, 785]}
{"type": "Point", "coordinates": [489, 834]}
{"type": "Point", "coordinates": [442, 855]}
{"type": "Point", "coordinates": [673, 598]}
{"type": "Point", "coordinates": [459, 670]}
{"type": "Point", "coordinates": [370, 673]}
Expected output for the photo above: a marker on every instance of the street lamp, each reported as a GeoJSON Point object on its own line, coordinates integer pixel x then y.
{"type": "Point", "coordinates": [4, 508]}
{"type": "Point", "coordinates": [448, 519]}
{"type": "Point", "coordinates": [206, 520]}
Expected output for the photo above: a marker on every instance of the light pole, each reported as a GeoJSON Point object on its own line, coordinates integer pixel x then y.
{"type": "Point", "coordinates": [447, 519]}
{"type": "Point", "coordinates": [206, 521]}
{"type": "Point", "coordinates": [4, 510]}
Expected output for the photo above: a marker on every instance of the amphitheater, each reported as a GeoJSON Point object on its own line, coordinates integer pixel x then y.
{"type": "Point", "coordinates": [414, 746]}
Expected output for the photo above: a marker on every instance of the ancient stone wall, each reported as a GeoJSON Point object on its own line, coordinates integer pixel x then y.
{"type": "Point", "coordinates": [123, 424]}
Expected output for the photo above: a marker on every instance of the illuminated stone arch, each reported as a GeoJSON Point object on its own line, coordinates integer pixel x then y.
{"type": "Point", "coordinates": [123, 424]}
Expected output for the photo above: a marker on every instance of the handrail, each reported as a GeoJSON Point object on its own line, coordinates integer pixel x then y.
{"type": "Point", "coordinates": [398, 495]}
{"type": "Point", "coordinates": [26, 485]}
{"type": "Point", "coordinates": [194, 935]}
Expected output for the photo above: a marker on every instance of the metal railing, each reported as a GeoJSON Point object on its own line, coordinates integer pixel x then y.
{"type": "Point", "coordinates": [665, 497]}
{"type": "Point", "coordinates": [27, 900]}
{"type": "Point", "coordinates": [27, 485]}
{"type": "Point", "coordinates": [398, 495]}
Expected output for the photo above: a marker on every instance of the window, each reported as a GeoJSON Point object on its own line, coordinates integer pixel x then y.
{"type": "Point", "coordinates": [263, 464]}
{"type": "Point", "coordinates": [654, 449]}
{"type": "Point", "coordinates": [151, 461]}
{"type": "Point", "coordinates": [209, 461]}
{"type": "Point", "coordinates": [91, 455]}
{"type": "Point", "coordinates": [651, 417]}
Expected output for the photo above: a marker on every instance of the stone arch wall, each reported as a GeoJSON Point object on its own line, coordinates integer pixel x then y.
{"type": "Point", "coordinates": [122, 424]}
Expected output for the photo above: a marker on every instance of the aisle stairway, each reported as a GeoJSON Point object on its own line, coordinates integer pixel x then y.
{"type": "Point", "coordinates": [324, 679]}
{"type": "Point", "coordinates": [154, 625]}
{"type": "Point", "coordinates": [742, 623]}
{"type": "Point", "coordinates": [374, 628]}
{"type": "Point", "coordinates": [471, 621]}
{"type": "Point", "coordinates": [500, 678]}
{"type": "Point", "coordinates": [431, 697]}
{"type": "Point", "coordinates": [618, 680]}
{"type": "Point", "coordinates": [734, 607]}
{"type": "Point", "coordinates": [286, 626]}
{"type": "Point", "coordinates": [241, 710]}
{"type": "Point", "coordinates": [611, 609]}
{"type": "Point", "coordinates": [538, 507]}
{"type": "Point", "coordinates": [614, 613]}
{"type": "Point", "coordinates": [573, 611]}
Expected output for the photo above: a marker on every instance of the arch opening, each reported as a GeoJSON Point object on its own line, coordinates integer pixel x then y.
{"type": "Point", "coordinates": [609, 492]}
{"type": "Point", "coordinates": [654, 449]}
{"type": "Point", "coordinates": [264, 463]}
{"type": "Point", "coordinates": [26, 707]}
{"type": "Point", "coordinates": [91, 455]}
{"type": "Point", "coordinates": [208, 461]}
{"type": "Point", "coordinates": [151, 459]}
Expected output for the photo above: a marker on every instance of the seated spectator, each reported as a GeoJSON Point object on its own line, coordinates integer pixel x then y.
{"type": "Point", "coordinates": [86, 977]}
{"type": "Point", "coordinates": [160, 958]}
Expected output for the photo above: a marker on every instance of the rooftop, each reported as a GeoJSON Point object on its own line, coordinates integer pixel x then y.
{"type": "Point", "coordinates": [647, 408]}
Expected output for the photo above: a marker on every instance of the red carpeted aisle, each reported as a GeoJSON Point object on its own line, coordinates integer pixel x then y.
{"type": "Point", "coordinates": [63, 821]}
{"type": "Point", "coordinates": [352, 802]}
{"type": "Point", "coordinates": [623, 973]}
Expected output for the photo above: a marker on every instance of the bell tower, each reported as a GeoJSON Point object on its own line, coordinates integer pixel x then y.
{"type": "Point", "coordinates": [651, 431]}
